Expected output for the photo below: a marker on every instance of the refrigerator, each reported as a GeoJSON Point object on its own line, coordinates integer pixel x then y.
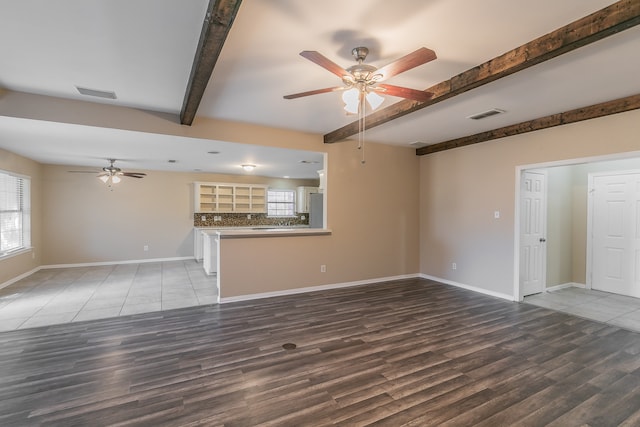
{"type": "Point", "coordinates": [316, 210]}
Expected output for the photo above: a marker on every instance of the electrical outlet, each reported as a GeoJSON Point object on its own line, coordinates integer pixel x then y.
{"type": "Point", "coordinates": [217, 218]}
{"type": "Point", "coordinates": [203, 218]}
{"type": "Point", "coordinates": [303, 217]}
{"type": "Point", "coordinates": [454, 266]}
{"type": "Point", "coordinates": [323, 268]}
{"type": "Point", "coordinates": [248, 216]}
{"type": "Point", "coordinates": [146, 248]}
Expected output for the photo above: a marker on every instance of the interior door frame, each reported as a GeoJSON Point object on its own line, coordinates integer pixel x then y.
{"type": "Point", "coordinates": [517, 292]}
{"type": "Point", "coordinates": [590, 202]}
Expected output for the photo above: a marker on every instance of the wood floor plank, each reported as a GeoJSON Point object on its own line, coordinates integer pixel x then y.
{"type": "Point", "coordinates": [410, 352]}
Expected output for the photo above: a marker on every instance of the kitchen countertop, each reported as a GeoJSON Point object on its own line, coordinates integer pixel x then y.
{"type": "Point", "coordinates": [238, 232]}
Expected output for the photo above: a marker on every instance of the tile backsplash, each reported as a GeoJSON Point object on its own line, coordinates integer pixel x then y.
{"type": "Point", "coordinates": [242, 220]}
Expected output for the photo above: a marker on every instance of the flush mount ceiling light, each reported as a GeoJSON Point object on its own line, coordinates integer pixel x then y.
{"type": "Point", "coordinates": [248, 167]}
{"type": "Point", "coordinates": [362, 82]}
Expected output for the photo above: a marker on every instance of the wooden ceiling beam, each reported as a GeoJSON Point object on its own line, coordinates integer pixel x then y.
{"type": "Point", "coordinates": [591, 112]}
{"type": "Point", "coordinates": [612, 19]}
{"type": "Point", "coordinates": [215, 28]}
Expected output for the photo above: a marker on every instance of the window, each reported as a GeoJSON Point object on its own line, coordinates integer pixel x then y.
{"type": "Point", "coordinates": [15, 213]}
{"type": "Point", "coordinates": [281, 203]}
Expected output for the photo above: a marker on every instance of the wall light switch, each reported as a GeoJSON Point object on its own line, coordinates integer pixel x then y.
{"type": "Point", "coordinates": [496, 214]}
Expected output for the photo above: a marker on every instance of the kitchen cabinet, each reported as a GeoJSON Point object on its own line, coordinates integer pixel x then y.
{"type": "Point", "coordinates": [210, 252]}
{"type": "Point", "coordinates": [221, 197]}
{"type": "Point", "coordinates": [302, 198]}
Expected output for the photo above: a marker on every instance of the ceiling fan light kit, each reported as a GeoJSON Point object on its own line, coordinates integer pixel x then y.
{"type": "Point", "coordinates": [363, 82]}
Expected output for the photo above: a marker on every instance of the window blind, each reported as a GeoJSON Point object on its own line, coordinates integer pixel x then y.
{"type": "Point", "coordinates": [15, 213]}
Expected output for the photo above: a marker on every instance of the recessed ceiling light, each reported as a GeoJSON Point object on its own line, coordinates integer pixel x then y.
{"type": "Point", "coordinates": [213, 152]}
{"type": "Point", "coordinates": [172, 161]}
{"type": "Point", "coordinates": [286, 177]}
{"type": "Point", "coordinates": [248, 167]}
{"type": "Point", "coordinates": [94, 92]}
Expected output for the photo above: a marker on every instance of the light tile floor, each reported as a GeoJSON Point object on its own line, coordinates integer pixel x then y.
{"type": "Point", "coordinates": [64, 295]}
{"type": "Point", "coordinates": [618, 310]}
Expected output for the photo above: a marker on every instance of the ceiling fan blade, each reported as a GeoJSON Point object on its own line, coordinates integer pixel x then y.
{"type": "Point", "coordinates": [403, 92]}
{"type": "Point", "coordinates": [134, 174]}
{"type": "Point", "coordinates": [407, 62]}
{"type": "Point", "coordinates": [314, 92]}
{"type": "Point", "coordinates": [324, 62]}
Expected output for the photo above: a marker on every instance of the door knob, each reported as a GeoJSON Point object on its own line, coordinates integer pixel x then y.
{"type": "Point", "coordinates": [542, 240]}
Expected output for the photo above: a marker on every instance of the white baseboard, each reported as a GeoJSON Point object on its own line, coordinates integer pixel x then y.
{"type": "Point", "coordinates": [564, 286]}
{"type": "Point", "coordinates": [20, 277]}
{"type": "Point", "coordinates": [315, 288]}
{"type": "Point", "coordinates": [469, 287]}
{"type": "Point", "coordinates": [133, 261]}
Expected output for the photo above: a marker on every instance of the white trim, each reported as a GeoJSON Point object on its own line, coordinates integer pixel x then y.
{"type": "Point", "coordinates": [564, 286]}
{"type": "Point", "coordinates": [133, 261]}
{"type": "Point", "coordinates": [469, 287]}
{"type": "Point", "coordinates": [20, 277]}
{"type": "Point", "coordinates": [16, 252]}
{"type": "Point", "coordinates": [315, 288]}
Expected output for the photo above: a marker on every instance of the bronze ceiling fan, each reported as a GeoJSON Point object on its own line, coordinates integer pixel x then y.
{"type": "Point", "coordinates": [366, 79]}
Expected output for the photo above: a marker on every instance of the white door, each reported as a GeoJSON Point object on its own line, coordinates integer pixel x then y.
{"type": "Point", "coordinates": [615, 233]}
{"type": "Point", "coordinates": [533, 228]}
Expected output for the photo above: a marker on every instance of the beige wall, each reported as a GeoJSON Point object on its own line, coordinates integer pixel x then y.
{"type": "Point", "coordinates": [372, 212]}
{"type": "Point", "coordinates": [85, 221]}
{"type": "Point", "coordinates": [559, 229]}
{"type": "Point", "coordinates": [461, 188]}
{"type": "Point", "coordinates": [20, 264]}
{"type": "Point", "coordinates": [372, 208]}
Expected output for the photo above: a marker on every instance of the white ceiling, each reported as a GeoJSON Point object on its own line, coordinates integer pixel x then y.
{"type": "Point", "coordinates": [143, 50]}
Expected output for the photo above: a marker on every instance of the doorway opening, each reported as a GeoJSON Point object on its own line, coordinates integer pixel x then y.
{"type": "Point", "coordinates": [565, 259]}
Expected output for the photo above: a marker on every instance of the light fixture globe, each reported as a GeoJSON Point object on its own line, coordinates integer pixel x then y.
{"type": "Point", "coordinates": [248, 167]}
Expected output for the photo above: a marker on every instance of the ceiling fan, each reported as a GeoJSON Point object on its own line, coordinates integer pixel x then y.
{"type": "Point", "coordinates": [111, 174]}
{"type": "Point", "coordinates": [363, 81]}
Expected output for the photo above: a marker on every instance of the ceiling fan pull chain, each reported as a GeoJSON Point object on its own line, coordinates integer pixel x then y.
{"type": "Point", "coordinates": [364, 127]}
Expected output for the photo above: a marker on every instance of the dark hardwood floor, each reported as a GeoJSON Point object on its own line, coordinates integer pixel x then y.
{"type": "Point", "coordinates": [411, 352]}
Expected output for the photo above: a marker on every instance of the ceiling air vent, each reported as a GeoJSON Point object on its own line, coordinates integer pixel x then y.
{"type": "Point", "coordinates": [418, 144]}
{"type": "Point", "coordinates": [99, 93]}
{"type": "Point", "coordinates": [485, 114]}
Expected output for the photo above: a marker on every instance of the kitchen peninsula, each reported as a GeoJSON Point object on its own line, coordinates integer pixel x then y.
{"type": "Point", "coordinates": [212, 242]}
